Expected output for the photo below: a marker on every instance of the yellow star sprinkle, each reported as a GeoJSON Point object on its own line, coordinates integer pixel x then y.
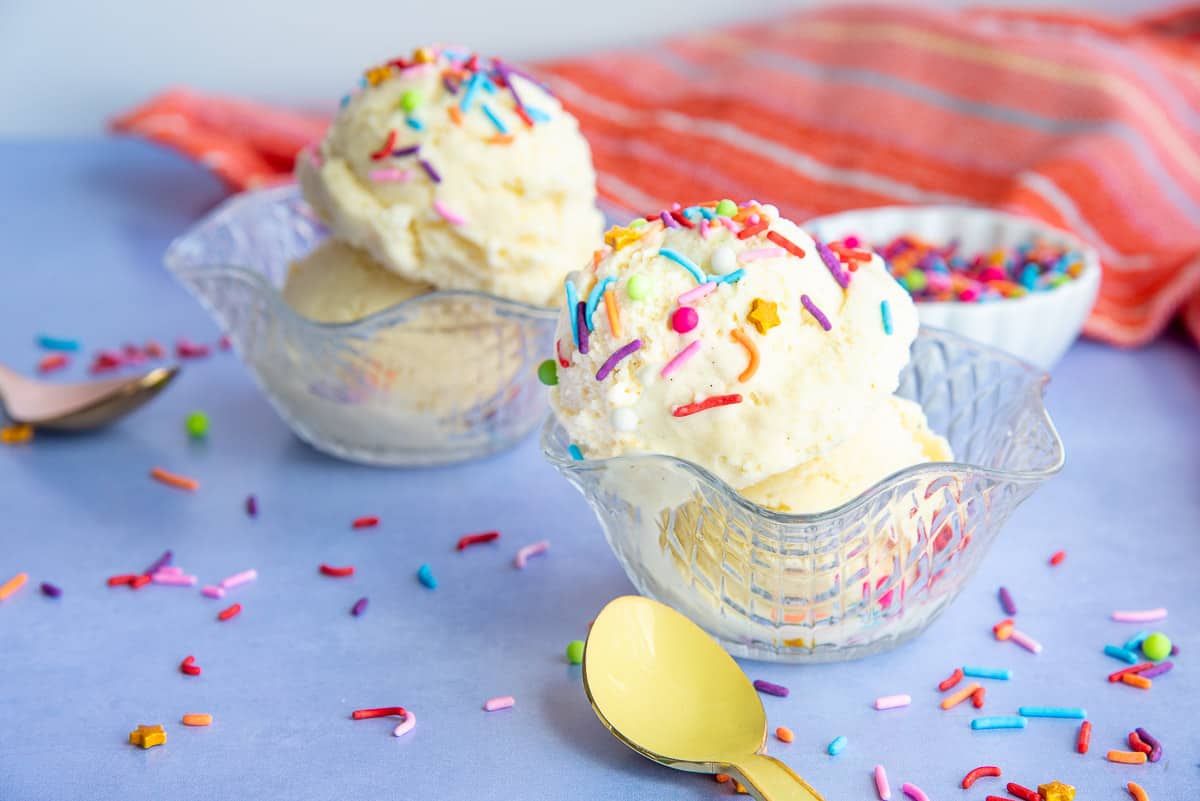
{"type": "Point", "coordinates": [377, 75]}
{"type": "Point", "coordinates": [148, 736]}
{"type": "Point", "coordinates": [764, 314]}
{"type": "Point", "coordinates": [618, 237]}
{"type": "Point", "coordinates": [423, 55]}
{"type": "Point", "coordinates": [1056, 791]}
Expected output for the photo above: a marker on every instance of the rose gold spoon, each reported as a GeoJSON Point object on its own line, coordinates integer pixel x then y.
{"type": "Point", "coordinates": [77, 407]}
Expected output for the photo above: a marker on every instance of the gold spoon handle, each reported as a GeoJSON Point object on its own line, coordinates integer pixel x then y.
{"type": "Point", "coordinates": [771, 780]}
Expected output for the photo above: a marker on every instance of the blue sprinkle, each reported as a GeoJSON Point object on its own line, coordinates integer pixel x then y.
{"type": "Point", "coordinates": [1072, 712]}
{"type": "Point", "coordinates": [57, 343]}
{"type": "Point", "coordinates": [685, 263]}
{"type": "Point", "coordinates": [1029, 276]}
{"type": "Point", "coordinates": [536, 114]}
{"type": "Point", "coordinates": [572, 301]}
{"type": "Point", "coordinates": [576, 454]}
{"type": "Point", "coordinates": [731, 278]}
{"type": "Point", "coordinates": [1135, 642]}
{"type": "Point", "coordinates": [1117, 652]}
{"type": "Point", "coordinates": [707, 212]}
{"type": "Point", "coordinates": [362, 82]}
{"type": "Point", "coordinates": [837, 745]}
{"type": "Point", "coordinates": [488, 86]}
{"type": "Point", "coordinates": [491, 115]}
{"type": "Point", "coordinates": [414, 123]}
{"type": "Point", "coordinates": [594, 300]}
{"type": "Point", "coordinates": [1003, 674]}
{"type": "Point", "coordinates": [885, 311]}
{"type": "Point", "coordinates": [998, 722]}
{"type": "Point", "coordinates": [345, 101]}
{"type": "Point", "coordinates": [469, 94]}
{"type": "Point", "coordinates": [425, 576]}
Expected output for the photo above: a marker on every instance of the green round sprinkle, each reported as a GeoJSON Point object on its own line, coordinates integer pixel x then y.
{"type": "Point", "coordinates": [726, 208]}
{"type": "Point", "coordinates": [915, 281]}
{"type": "Point", "coordinates": [638, 223]}
{"type": "Point", "coordinates": [1157, 646]}
{"type": "Point", "coordinates": [575, 652]}
{"type": "Point", "coordinates": [548, 373]}
{"type": "Point", "coordinates": [197, 426]}
{"type": "Point", "coordinates": [410, 101]}
{"type": "Point", "coordinates": [638, 287]}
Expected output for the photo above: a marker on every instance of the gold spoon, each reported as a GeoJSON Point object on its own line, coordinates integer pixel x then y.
{"type": "Point", "coordinates": [77, 407]}
{"type": "Point", "coordinates": [669, 692]}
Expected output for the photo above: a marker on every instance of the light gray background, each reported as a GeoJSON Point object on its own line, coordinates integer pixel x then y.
{"type": "Point", "coordinates": [65, 67]}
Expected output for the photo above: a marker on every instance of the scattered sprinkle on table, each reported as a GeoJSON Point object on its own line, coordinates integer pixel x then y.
{"type": "Point", "coordinates": [998, 722]}
{"type": "Point", "coordinates": [1157, 646]}
{"type": "Point", "coordinates": [174, 480]}
{"type": "Point", "coordinates": [1007, 603]}
{"type": "Point", "coordinates": [1139, 616]}
{"type": "Point", "coordinates": [359, 607]}
{"type": "Point", "coordinates": [1022, 792]}
{"type": "Point", "coordinates": [892, 701]}
{"type": "Point", "coordinates": [1025, 641]}
{"type": "Point", "coordinates": [533, 549]}
{"type": "Point", "coordinates": [1137, 792]}
{"type": "Point", "coordinates": [1117, 652]}
{"type": "Point", "coordinates": [770, 688]}
{"type": "Point", "coordinates": [229, 612]}
{"type": "Point", "coordinates": [365, 522]}
{"type": "Point", "coordinates": [953, 700]}
{"type": "Point", "coordinates": [16, 434]}
{"type": "Point", "coordinates": [498, 703]}
{"type": "Point", "coordinates": [837, 745]}
{"type": "Point", "coordinates": [914, 792]}
{"type": "Point", "coordinates": [407, 725]}
{"type": "Point", "coordinates": [882, 788]}
{"type": "Point", "coordinates": [951, 680]}
{"type": "Point", "coordinates": [148, 736]}
{"type": "Point", "coordinates": [378, 712]}
{"type": "Point", "coordinates": [337, 572]}
{"type": "Point", "coordinates": [426, 577]}
{"type": "Point", "coordinates": [1000, 674]}
{"type": "Point", "coordinates": [468, 540]}
{"type": "Point", "coordinates": [1069, 712]}
{"type": "Point", "coordinates": [1127, 757]}
{"type": "Point", "coordinates": [47, 342]}
{"type": "Point", "coordinates": [12, 585]}
{"type": "Point", "coordinates": [1085, 737]}
{"type": "Point", "coordinates": [196, 425]}
{"type": "Point", "coordinates": [1156, 748]}
{"type": "Point", "coordinates": [575, 652]}
{"type": "Point", "coordinates": [1156, 670]}
{"type": "Point", "coordinates": [50, 590]}
{"type": "Point", "coordinates": [1057, 558]}
{"type": "Point", "coordinates": [251, 506]}
{"type": "Point", "coordinates": [188, 666]}
{"type": "Point", "coordinates": [238, 579]}
{"type": "Point", "coordinates": [197, 719]}
{"type": "Point", "coordinates": [784, 734]}
{"type": "Point", "coordinates": [990, 771]}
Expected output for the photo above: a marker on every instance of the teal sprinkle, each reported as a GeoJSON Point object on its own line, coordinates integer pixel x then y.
{"type": "Point", "coordinates": [837, 745]}
{"type": "Point", "coordinates": [1117, 652]}
{"type": "Point", "coordinates": [536, 114]}
{"type": "Point", "coordinates": [573, 303]}
{"type": "Point", "coordinates": [488, 86]}
{"type": "Point", "coordinates": [1135, 642]}
{"type": "Point", "coordinates": [491, 115]}
{"type": "Point", "coordinates": [885, 311]}
{"type": "Point", "coordinates": [576, 454]}
{"type": "Point", "coordinates": [469, 94]}
{"type": "Point", "coordinates": [999, 722]}
{"type": "Point", "coordinates": [1029, 277]}
{"type": "Point", "coordinates": [426, 577]}
{"type": "Point", "coordinates": [362, 82]}
{"type": "Point", "coordinates": [58, 343]}
{"type": "Point", "coordinates": [731, 278]}
{"type": "Point", "coordinates": [707, 212]}
{"type": "Point", "coordinates": [345, 101]}
{"type": "Point", "coordinates": [685, 263]}
{"type": "Point", "coordinates": [414, 123]}
{"type": "Point", "coordinates": [1071, 712]}
{"type": "Point", "coordinates": [1003, 674]}
{"type": "Point", "coordinates": [594, 300]}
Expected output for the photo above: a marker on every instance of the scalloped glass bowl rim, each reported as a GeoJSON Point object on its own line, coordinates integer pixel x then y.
{"type": "Point", "coordinates": [563, 461]}
{"type": "Point", "coordinates": [183, 267]}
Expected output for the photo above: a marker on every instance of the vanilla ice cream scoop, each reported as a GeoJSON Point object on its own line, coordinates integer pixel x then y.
{"type": "Point", "coordinates": [724, 335]}
{"type": "Point", "coordinates": [458, 174]}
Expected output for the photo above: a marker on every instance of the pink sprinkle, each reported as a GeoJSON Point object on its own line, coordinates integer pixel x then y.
{"type": "Point", "coordinates": [410, 721]}
{"type": "Point", "coordinates": [668, 220]}
{"type": "Point", "coordinates": [212, 591]}
{"type": "Point", "coordinates": [1025, 641]}
{"type": "Point", "coordinates": [914, 792]}
{"type": "Point", "coordinates": [760, 253]}
{"type": "Point", "coordinates": [752, 219]}
{"type": "Point", "coordinates": [173, 579]}
{"type": "Point", "coordinates": [892, 701]}
{"type": "Point", "coordinates": [695, 294]}
{"type": "Point", "coordinates": [239, 578]}
{"type": "Point", "coordinates": [535, 549]}
{"type": "Point", "coordinates": [500, 702]}
{"type": "Point", "coordinates": [1141, 616]}
{"type": "Point", "coordinates": [391, 175]}
{"type": "Point", "coordinates": [169, 570]}
{"type": "Point", "coordinates": [881, 784]}
{"type": "Point", "coordinates": [705, 229]}
{"type": "Point", "coordinates": [448, 215]}
{"type": "Point", "coordinates": [729, 223]}
{"type": "Point", "coordinates": [681, 358]}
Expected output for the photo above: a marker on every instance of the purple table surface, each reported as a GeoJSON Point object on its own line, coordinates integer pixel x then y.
{"type": "Point", "coordinates": [84, 225]}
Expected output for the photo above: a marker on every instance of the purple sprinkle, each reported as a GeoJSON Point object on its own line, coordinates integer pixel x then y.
{"type": "Point", "coordinates": [1006, 601]}
{"type": "Point", "coordinates": [834, 265]}
{"type": "Point", "coordinates": [1157, 670]}
{"type": "Point", "coordinates": [1156, 749]}
{"type": "Point", "coordinates": [613, 360]}
{"type": "Point", "coordinates": [817, 314]}
{"type": "Point", "coordinates": [159, 563]}
{"type": "Point", "coordinates": [668, 220]}
{"type": "Point", "coordinates": [1174, 650]}
{"type": "Point", "coordinates": [433, 174]}
{"type": "Point", "coordinates": [54, 592]}
{"type": "Point", "coordinates": [406, 151]}
{"type": "Point", "coordinates": [505, 72]}
{"type": "Point", "coordinates": [451, 87]}
{"type": "Point", "coordinates": [251, 506]}
{"type": "Point", "coordinates": [539, 84]}
{"type": "Point", "coordinates": [581, 316]}
{"type": "Point", "coordinates": [359, 607]}
{"type": "Point", "coordinates": [771, 689]}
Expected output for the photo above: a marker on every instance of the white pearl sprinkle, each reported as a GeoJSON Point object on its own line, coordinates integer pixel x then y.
{"type": "Point", "coordinates": [724, 260]}
{"type": "Point", "coordinates": [769, 210]}
{"type": "Point", "coordinates": [624, 419]}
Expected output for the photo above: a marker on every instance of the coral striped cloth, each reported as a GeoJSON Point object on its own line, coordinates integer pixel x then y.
{"type": "Point", "coordinates": [1090, 124]}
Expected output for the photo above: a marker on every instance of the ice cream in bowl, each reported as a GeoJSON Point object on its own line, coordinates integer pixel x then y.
{"type": "Point", "coordinates": [770, 444]}
{"type": "Point", "coordinates": [393, 304]}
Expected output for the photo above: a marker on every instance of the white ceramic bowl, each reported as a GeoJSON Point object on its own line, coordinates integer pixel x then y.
{"type": "Point", "coordinates": [1038, 327]}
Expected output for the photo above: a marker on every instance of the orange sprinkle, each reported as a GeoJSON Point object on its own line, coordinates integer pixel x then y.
{"type": "Point", "coordinates": [751, 351]}
{"type": "Point", "coordinates": [197, 719]}
{"type": "Point", "coordinates": [500, 139]}
{"type": "Point", "coordinates": [784, 734]}
{"type": "Point", "coordinates": [455, 115]}
{"type": "Point", "coordinates": [614, 314]}
{"type": "Point", "coordinates": [1004, 629]}
{"type": "Point", "coordinates": [1127, 757]}
{"type": "Point", "coordinates": [1134, 680]}
{"type": "Point", "coordinates": [952, 701]}
{"type": "Point", "coordinates": [721, 777]}
{"type": "Point", "coordinates": [16, 434]}
{"type": "Point", "coordinates": [1137, 792]}
{"type": "Point", "coordinates": [12, 585]}
{"type": "Point", "coordinates": [174, 480]}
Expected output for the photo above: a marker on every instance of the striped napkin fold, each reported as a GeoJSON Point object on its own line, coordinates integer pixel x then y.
{"type": "Point", "coordinates": [1090, 124]}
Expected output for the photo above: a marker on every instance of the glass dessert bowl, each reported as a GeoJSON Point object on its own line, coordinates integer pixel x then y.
{"type": "Point", "coordinates": [440, 378]}
{"type": "Point", "coordinates": [854, 580]}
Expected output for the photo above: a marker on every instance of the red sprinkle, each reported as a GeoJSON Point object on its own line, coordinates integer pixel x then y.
{"type": "Point", "coordinates": [1120, 674]}
{"type": "Point", "coordinates": [951, 680]}
{"type": "Point", "coordinates": [116, 581]}
{"type": "Point", "coordinates": [524, 115]}
{"type": "Point", "coordinates": [751, 230]}
{"type": "Point", "coordinates": [153, 350]}
{"type": "Point", "coordinates": [682, 219]}
{"type": "Point", "coordinates": [189, 666]}
{"type": "Point", "coordinates": [338, 572]}
{"type": "Point", "coordinates": [366, 522]}
{"type": "Point", "coordinates": [1056, 560]}
{"type": "Point", "coordinates": [55, 361]}
{"type": "Point", "coordinates": [475, 539]}
{"type": "Point", "coordinates": [386, 150]}
{"type": "Point", "coordinates": [381, 712]}
{"type": "Point", "coordinates": [707, 403]}
{"type": "Point", "coordinates": [139, 582]}
{"type": "Point", "coordinates": [229, 612]}
{"type": "Point", "coordinates": [979, 773]}
{"type": "Point", "coordinates": [1085, 737]}
{"type": "Point", "coordinates": [1023, 793]}
{"type": "Point", "coordinates": [977, 697]}
{"type": "Point", "coordinates": [786, 244]}
{"type": "Point", "coordinates": [1137, 744]}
